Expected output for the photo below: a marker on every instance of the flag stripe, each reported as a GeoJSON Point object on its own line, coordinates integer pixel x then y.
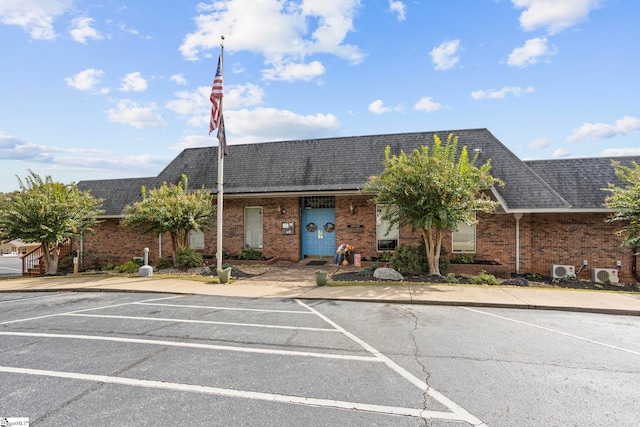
{"type": "Point", "coordinates": [216, 98]}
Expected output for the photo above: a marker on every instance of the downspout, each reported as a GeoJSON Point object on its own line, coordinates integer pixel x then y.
{"type": "Point", "coordinates": [517, 216]}
{"type": "Point", "coordinates": [159, 245]}
{"type": "Point", "coordinates": [634, 264]}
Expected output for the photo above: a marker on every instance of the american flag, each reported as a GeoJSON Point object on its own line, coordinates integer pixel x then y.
{"type": "Point", "coordinates": [216, 98]}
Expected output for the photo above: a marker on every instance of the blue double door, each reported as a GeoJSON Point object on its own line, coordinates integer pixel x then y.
{"type": "Point", "coordinates": [316, 240]}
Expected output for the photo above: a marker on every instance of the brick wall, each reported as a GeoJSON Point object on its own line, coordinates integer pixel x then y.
{"type": "Point", "coordinates": [545, 239]}
{"type": "Point", "coordinates": [548, 239]}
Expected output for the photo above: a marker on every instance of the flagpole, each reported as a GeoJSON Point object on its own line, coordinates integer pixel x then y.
{"type": "Point", "coordinates": [220, 175]}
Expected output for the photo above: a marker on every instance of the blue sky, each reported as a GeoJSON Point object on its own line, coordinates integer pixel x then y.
{"type": "Point", "coordinates": [117, 88]}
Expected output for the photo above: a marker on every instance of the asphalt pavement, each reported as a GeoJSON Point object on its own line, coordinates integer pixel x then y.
{"type": "Point", "coordinates": [297, 280]}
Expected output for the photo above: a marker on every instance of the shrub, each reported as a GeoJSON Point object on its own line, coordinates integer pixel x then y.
{"type": "Point", "coordinates": [451, 278]}
{"type": "Point", "coordinates": [483, 278]}
{"type": "Point", "coordinates": [187, 258]}
{"type": "Point", "coordinates": [250, 254]}
{"type": "Point", "coordinates": [163, 264]}
{"type": "Point", "coordinates": [109, 267]}
{"type": "Point", "coordinates": [463, 258]}
{"type": "Point", "coordinates": [127, 267]}
{"type": "Point", "coordinates": [65, 264]}
{"type": "Point", "coordinates": [384, 256]}
{"type": "Point", "coordinates": [406, 261]}
{"type": "Point", "coordinates": [368, 271]}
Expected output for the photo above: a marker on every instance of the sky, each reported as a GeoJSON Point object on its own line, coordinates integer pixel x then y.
{"type": "Point", "coordinates": [117, 88]}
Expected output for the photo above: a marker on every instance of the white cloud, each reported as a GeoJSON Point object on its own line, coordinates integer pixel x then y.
{"type": "Point", "coordinates": [529, 54]}
{"type": "Point", "coordinates": [618, 152]}
{"type": "Point", "coordinates": [194, 141]}
{"type": "Point", "coordinates": [398, 8]}
{"type": "Point", "coordinates": [377, 107]}
{"type": "Point", "coordinates": [133, 82]}
{"type": "Point", "coordinates": [445, 56]}
{"type": "Point", "coordinates": [553, 15]}
{"type": "Point", "coordinates": [67, 159]}
{"type": "Point", "coordinates": [129, 113]}
{"type": "Point", "coordinates": [34, 16]}
{"type": "Point", "coordinates": [178, 79]}
{"type": "Point", "coordinates": [292, 72]}
{"type": "Point", "coordinates": [502, 93]}
{"type": "Point", "coordinates": [623, 126]}
{"type": "Point", "coordinates": [81, 30]}
{"type": "Point", "coordinates": [196, 104]}
{"type": "Point", "coordinates": [85, 80]}
{"type": "Point", "coordinates": [427, 104]}
{"type": "Point", "coordinates": [560, 152]}
{"type": "Point", "coordinates": [270, 124]}
{"type": "Point", "coordinates": [239, 96]}
{"type": "Point", "coordinates": [538, 143]}
{"type": "Point", "coordinates": [282, 32]}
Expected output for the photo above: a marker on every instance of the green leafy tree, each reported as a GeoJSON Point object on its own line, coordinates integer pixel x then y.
{"type": "Point", "coordinates": [173, 209]}
{"type": "Point", "coordinates": [433, 190]}
{"type": "Point", "coordinates": [47, 212]}
{"type": "Point", "coordinates": [627, 202]}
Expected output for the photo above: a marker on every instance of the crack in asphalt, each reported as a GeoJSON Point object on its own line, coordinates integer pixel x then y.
{"type": "Point", "coordinates": [425, 372]}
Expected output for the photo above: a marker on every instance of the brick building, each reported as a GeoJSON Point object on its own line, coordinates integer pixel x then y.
{"type": "Point", "coordinates": [294, 199]}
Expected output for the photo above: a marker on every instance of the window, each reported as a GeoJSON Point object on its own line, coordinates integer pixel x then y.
{"type": "Point", "coordinates": [196, 239]}
{"type": "Point", "coordinates": [253, 228]}
{"type": "Point", "coordinates": [385, 241]}
{"type": "Point", "coordinates": [464, 240]}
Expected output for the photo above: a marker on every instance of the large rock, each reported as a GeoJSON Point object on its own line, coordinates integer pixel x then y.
{"type": "Point", "coordinates": [387, 274]}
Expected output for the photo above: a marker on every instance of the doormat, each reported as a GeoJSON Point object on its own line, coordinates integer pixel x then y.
{"type": "Point", "coordinates": [316, 262]}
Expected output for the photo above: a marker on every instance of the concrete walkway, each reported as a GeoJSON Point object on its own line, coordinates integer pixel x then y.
{"type": "Point", "coordinates": [290, 280]}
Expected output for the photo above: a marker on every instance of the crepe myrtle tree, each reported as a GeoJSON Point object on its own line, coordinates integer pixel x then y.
{"type": "Point", "coordinates": [433, 190]}
{"type": "Point", "coordinates": [47, 212]}
{"type": "Point", "coordinates": [172, 209]}
{"type": "Point", "coordinates": [626, 201]}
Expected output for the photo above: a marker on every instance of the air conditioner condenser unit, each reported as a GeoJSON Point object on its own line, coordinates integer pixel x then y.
{"type": "Point", "coordinates": [560, 271]}
{"type": "Point", "coordinates": [604, 275]}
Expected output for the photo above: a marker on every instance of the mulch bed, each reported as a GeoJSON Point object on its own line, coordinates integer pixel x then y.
{"type": "Point", "coordinates": [514, 281]}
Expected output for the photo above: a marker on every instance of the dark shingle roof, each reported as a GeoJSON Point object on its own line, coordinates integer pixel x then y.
{"type": "Point", "coordinates": [346, 163]}
{"type": "Point", "coordinates": [580, 181]}
{"type": "Point", "coordinates": [116, 193]}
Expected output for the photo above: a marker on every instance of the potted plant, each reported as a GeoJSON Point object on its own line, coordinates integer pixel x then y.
{"type": "Point", "coordinates": [321, 277]}
{"type": "Point", "coordinates": [224, 274]}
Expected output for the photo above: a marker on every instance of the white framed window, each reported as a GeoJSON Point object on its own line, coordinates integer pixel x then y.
{"type": "Point", "coordinates": [196, 239]}
{"type": "Point", "coordinates": [386, 239]}
{"type": "Point", "coordinates": [253, 227]}
{"type": "Point", "coordinates": [464, 240]}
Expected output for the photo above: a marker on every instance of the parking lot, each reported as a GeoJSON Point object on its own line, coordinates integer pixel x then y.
{"type": "Point", "coordinates": [96, 358]}
{"type": "Point", "coordinates": [144, 359]}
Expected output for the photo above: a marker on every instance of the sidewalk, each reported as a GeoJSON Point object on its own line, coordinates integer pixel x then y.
{"type": "Point", "coordinates": [296, 281]}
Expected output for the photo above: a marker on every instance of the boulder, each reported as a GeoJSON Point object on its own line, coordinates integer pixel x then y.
{"type": "Point", "coordinates": [387, 274]}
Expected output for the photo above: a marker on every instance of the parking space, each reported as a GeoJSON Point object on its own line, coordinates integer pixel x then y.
{"type": "Point", "coordinates": [74, 358]}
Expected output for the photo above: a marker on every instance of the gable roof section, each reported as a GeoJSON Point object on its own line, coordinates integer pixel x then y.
{"type": "Point", "coordinates": [345, 164]}
{"type": "Point", "coordinates": [116, 193]}
{"type": "Point", "coordinates": [580, 181]}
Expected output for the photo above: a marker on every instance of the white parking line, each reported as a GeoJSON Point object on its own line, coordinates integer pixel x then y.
{"type": "Point", "coordinates": [194, 345]}
{"type": "Point", "coordinates": [460, 413]}
{"type": "Point", "coordinates": [207, 322]}
{"type": "Point", "coordinates": [46, 316]}
{"type": "Point", "coordinates": [65, 294]}
{"type": "Point", "coordinates": [210, 307]}
{"type": "Point", "coordinates": [553, 330]}
{"type": "Point", "coordinates": [270, 397]}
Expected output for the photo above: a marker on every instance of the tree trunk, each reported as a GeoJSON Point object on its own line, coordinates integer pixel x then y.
{"type": "Point", "coordinates": [175, 246]}
{"type": "Point", "coordinates": [433, 242]}
{"type": "Point", "coordinates": [51, 257]}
